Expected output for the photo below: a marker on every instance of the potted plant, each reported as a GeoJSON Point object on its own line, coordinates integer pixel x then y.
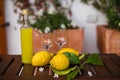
{"type": "Point", "coordinates": [47, 18]}
{"type": "Point", "coordinates": [108, 35]}
{"type": "Point", "coordinates": [53, 24]}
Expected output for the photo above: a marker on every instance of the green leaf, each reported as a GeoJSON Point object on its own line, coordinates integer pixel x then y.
{"type": "Point", "coordinates": [82, 56]}
{"type": "Point", "coordinates": [74, 59]}
{"type": "Point", "coordinates": [64, 72]}
{"type": "Point", "coordinates": [94, 59]}
{"type": "Point", "coordinates": [72, 74]}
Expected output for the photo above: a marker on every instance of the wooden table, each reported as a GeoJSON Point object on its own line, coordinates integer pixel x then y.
{"type": "Point", "coordinates": [11, 65]}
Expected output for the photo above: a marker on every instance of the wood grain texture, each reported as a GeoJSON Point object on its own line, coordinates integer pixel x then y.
{"type": "Point", "coordinates": [3, 44]}
{"type": "Point", "coordinates": [73, 37]}
{"type": "Point", "coordinates": [108, 40]}
{"type": "Point", "coordinates": [11, 65]}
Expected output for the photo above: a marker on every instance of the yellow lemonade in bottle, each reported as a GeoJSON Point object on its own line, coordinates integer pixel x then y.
{"type": "Point", "coordinates": [26, 40]}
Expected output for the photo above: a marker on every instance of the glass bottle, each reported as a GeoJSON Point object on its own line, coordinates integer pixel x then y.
{"type": "Point", "coordinates": [26, 40]}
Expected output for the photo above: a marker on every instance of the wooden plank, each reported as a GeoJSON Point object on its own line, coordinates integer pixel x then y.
{"type": "Point", "coordinates": [102, 71]}
{"type": "Point", "coordinates": [95, 78]}
{"type": "Point", "coordinates": [9, 78]}
{"type": "Point", "coordinates": [27, 70]}
{"type": "Point", "coordinates": [42, 73]}
{"type": "Point", "coordinates": [3, 44]}
{"type": "Point", "coordinates": [0, 58]}
{"type": "Point", "coordinates": [27, 73]}
{"type": "Point", "coordinates": [4, 64]}
{"type": "Point", "coordinates": [15, 67]}
{"type": "Point", "coordinates": [115, 59]}
{"type": "Point", "coordinates": [85, 75]}
{"type": "Point", "coordinates": [111, 66]}
{"type": "Point", "coordinates": [115, 56]}
{"type": "Point", "coordinates": [88, 68]}
{"type": "Point", "coordinates": [45, 76]}
{"type": "Point", "coordinates": [12, 63]}
{"type": "Point", "coordinates": [41, 78]}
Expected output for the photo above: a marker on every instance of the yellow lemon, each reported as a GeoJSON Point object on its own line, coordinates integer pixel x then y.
{"type": "Point", "coordinates": [59, 62]}
{"type": "Point", "coordinates": [41, 58]}
{"type": "Point", "coordinates": [71, 50]}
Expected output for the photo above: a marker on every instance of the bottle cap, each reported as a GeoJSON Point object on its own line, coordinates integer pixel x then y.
{"type": "Point", "coordinates": [25, 12]}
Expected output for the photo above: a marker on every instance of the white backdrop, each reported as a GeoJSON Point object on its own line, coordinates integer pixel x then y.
{"type": "Point", "coordinates": [83, 15]}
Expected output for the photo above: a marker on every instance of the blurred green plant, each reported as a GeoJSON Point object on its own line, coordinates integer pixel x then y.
{"type": "Point", "coordinates": [52, 21]}
{"type": "Point", "coordinates": [111, 8]}
{"type": "Point", "coordinates": [45, 15]}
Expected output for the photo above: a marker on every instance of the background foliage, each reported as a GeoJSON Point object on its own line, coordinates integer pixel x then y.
{"type": "Point", "coordinates": [111, 8]}
{"type": "Point", "coordinates": [45, 14]}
